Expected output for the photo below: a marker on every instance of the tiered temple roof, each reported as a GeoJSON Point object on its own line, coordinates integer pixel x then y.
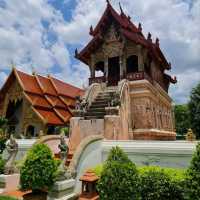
{"type": "Point", "coordinates": [50, 98]}
{"type": "Point", "coordinates": [128, 30]}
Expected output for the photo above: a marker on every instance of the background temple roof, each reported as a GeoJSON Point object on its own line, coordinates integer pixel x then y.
{"type": "Point", "coordinates": [49, 97]}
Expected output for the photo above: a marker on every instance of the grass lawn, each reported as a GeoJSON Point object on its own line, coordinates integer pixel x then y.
{"type": "Point", "coordinates": [7, 198]}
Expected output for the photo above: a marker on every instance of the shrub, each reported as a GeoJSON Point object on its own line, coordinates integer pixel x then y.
{"type": "Point", "coordinates": [7, 198]}
{"type": "Point", "coordinates": [2, 164]}
{"type": "Point", "coordinates": [175, 174]}
{"type": "Point", "coordinates": [38, 169]}
{"type": "Point", "coordinates": [98, 170]}
{"type": "Point", "coordinates": [157, 183]}
{"type": "Point", "coordinates": [119, 178]}
{"type": "Point", "coordinates": [193, 177]}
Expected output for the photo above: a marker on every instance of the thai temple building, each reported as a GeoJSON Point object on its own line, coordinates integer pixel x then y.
{"type": "Point", "coordinates": [127, 97]}
{"type": "Point", "coordinates": [33, 103]}
{"type": "Point", "coordinates": [129, 100]}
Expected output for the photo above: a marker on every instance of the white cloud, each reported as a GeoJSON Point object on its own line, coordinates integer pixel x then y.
{"type": "Point", "coordinates": [175, 22]}
{"type": "Point", "coordinates": [3, 77]}
{"type": "Point", "coordinates": [24, 38]}
{"type": "Point", "coordinates": [187, 80]}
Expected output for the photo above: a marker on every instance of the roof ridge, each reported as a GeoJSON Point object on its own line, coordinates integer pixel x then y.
{"type": "Point", "coordinates": [39, 83]}
{"type": "Point", "coordinates": [59, 115]}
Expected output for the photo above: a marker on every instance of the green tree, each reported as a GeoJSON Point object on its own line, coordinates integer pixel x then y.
{"type": "Point", "coordinates": [119, 179]}
{"type": "Point", "coordinates": [193, 177]}
{"type": "Point", "coordinates": [38, 170]}
{"type": "Point", "coordinates": [182, 119]}
{"type": "Point", "coordinates": [3, 135]}
{"type": "Point", "coordinates": [194, 110]}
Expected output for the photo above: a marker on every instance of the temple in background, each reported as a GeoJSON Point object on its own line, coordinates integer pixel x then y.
{"type": "Point", "coordinates": [32, 103]}
{"type": "Point", "coordinates": [128, 68]}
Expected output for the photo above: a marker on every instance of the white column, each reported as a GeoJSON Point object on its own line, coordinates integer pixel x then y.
{"type": "Point", "coordinates": [140, 59]}
{"type": "Point", "coordinates": [92, 67]}
{"type": "Point", "coordinates": [121, 67]}
{"type": "Point", "coordinates": [106, 67]}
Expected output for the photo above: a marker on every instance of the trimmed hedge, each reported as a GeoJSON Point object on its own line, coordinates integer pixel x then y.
{"type": "Point", "coordinates": [38, 170]}
{"type": "Point", "coordinates": [193, 177]}
{"type": "Point", "coordinates": [158, 183]}
{"type": "Point", "coordinates": [119, 178]}
{"type": "Point", "coordinates": [7, 198]}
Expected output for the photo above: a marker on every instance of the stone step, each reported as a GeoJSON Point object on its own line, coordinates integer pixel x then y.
{"type": "Point", "coordinates": [95, 113]}
{"type": "Point", "coordinates": [97, 109]}
{"type": "Point", "coordinates": [103, 96]}
{"type": "Point", "coordinates": [93, 117]}
{"type": "Point", "coordinates": [105, 93]}
{"type": "Point", "coordinates": [99, 105]}
{"type": "Point", "coordinates": [101, 100]}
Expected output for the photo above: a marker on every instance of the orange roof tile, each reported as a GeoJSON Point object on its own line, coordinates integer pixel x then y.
{"type": "Point", "coordinates": [46, 85]}
{"type": "Point", "coordinates": [29, 83]}
{"type": "Point", "coordinates": [66, 89]}
{"type": "Point", "coordinates": [50, 117]}
{"type": "Point", "coordinates": [50, 98]}
{"type": "Point", "coordinates": [89, 176]}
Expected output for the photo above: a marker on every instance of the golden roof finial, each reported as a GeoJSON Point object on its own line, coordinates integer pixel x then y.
{"type": "Point", "coordinates": [13, 64]}
{"type": "Point", "coordinates": [33, 70]}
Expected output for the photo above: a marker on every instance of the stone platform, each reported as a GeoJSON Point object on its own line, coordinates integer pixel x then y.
{"type": "Point", "coordinates": [9, 182]}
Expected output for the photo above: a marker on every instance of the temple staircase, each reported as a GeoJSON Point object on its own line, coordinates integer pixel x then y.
{"type": "Point", "coordinates": [97, 107]}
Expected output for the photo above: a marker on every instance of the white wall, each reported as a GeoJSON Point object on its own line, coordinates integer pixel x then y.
{"type": "Point", "coordinates": [176, 154]}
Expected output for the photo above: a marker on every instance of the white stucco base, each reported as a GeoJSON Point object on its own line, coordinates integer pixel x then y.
{"type": "Point", "coordinates": [62, 190]}
{"type": "Point", "coordinates": [9, 182]}
{"type": "Point", "coordinates": [176, 154]}
{"type": "Point", "coordinates": [23, 146]}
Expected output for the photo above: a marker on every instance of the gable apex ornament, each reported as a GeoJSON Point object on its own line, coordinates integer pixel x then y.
{"type": "Point", "coordinates": [140, 27]}
{"type": "Point", "coordinates": [91, 30]}
{"type": "Point", "coordinates": [157, 42]}
{"type": "Point", "coordinates": [149, 37]}
{"type": "Point", "coordinates": [122, 12]}
{"type": "Point", "coordinates": [108, 2]}
{"type": "Point", "coordinates": [76, 53]}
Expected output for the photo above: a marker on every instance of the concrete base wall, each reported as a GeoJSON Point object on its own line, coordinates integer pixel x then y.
{"type": "Point", "coordinates": [9, 182]}
{"type": "Point", "coordinates": [176, 154]}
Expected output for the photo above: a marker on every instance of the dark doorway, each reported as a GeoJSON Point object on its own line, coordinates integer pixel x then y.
{"type": "Point", "coordinates": [13, 114]}
{"type": "Point", "coordinates": [51, 130]}
{"type": "Point", "coordinates": [132, 64]}
{"type": "Point", "coordinates": [113, 71]}
{"type": "Point", "coordinates": [30, 131]}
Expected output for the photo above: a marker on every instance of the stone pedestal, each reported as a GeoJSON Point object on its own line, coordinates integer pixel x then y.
{"type": "Point", "coordinates": [63, 190]}
{"type": "Point", "coordinates": [81, 128]}
{"type": "Point", "coordinates": [9, 182]}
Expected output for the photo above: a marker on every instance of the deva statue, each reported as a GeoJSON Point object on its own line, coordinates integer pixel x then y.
{"type": "Point", "coordinates": [12, 149]}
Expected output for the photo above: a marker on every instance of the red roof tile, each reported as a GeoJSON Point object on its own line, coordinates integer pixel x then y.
{"type": "Point", "coordinates": [66, 89]}
{"type": "Point", "coordinates": [50, 98]}
{"type": "Point", "coordinates": [129, 30]}
{"type": "Point", "coordinates": [50, 116]}
{"type": "Point", "coordinates": [29, 83]}
{"type": "Point", "coordinates": [46, 85]}
{"type": "Point", "coordinates": [40, 101]}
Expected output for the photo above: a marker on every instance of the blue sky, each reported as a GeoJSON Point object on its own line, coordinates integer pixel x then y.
{"type": "Point", "coordinates": [41, 35]}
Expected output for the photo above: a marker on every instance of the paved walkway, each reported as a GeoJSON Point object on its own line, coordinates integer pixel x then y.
{"type": "Point", "coordinates": [17, 194]}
